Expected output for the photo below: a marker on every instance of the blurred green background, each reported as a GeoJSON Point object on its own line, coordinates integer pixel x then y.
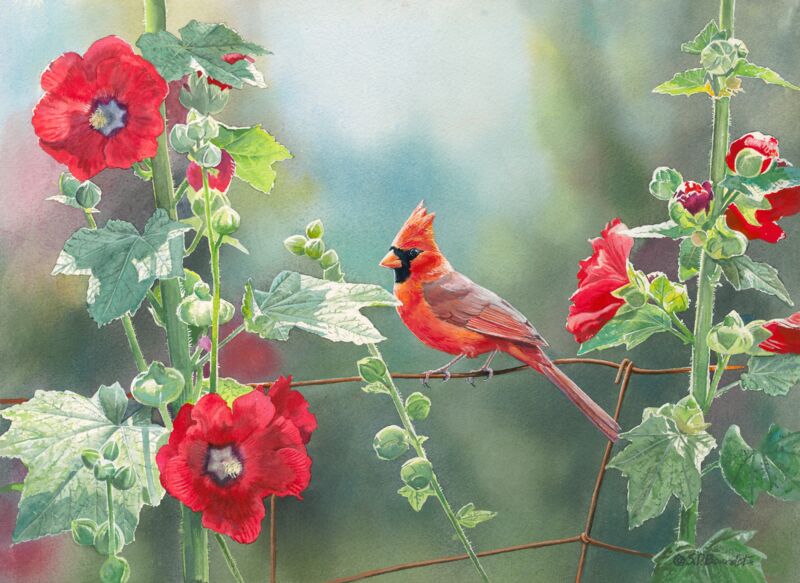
{"type": "Point", "coordinates": [526, 126]}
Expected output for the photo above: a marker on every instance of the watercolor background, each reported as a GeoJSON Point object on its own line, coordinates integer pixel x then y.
{"type": "Point", "coordinates": [525, 126]}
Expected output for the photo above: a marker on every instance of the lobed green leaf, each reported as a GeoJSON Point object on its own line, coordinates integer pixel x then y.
{"type": "Point", "coordinates": [751, 70]}
{"type": "Point", "coordinates": [630, 327]}
{"type": "Point", "coordinates": [775, 374]}
{"type": "Point", "coordinates": [710, 32]}
{"type": "Point", "coordinates": [686, 82]}
{"type": "Point", "coordinates": [744, 273]}
{"type": "Point", "coordinates": [658, 231]}
{"type": "Point", "coordinates": [756, 188]}
{"type": "Point", "coordinates": [254, 151]}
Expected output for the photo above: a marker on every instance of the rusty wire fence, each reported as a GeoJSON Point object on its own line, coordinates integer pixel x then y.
{"type": "Point", "coordinates": [625, 371]}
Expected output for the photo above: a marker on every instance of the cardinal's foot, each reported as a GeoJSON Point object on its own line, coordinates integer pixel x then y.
{"type": "Point", "coordinates": [428, 373]}
{"type": "Point", "coordinates": [486, 371]}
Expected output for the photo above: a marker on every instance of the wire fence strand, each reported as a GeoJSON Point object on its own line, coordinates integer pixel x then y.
{"type": "Point", "coordinates": [625, 371]}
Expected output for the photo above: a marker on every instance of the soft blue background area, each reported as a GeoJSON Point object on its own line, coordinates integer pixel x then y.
{"type": "Point", "coordinates": [526, 126]}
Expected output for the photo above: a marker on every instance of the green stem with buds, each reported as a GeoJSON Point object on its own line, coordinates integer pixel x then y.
{"type": "Point", "coordinates": [213, 248]}
{"type": "Point", "coordinates": [112, 530]}
{"type": "Point", "coordinates": [702, 390]}
{"type": "Point", "coordinates": [194, 538]}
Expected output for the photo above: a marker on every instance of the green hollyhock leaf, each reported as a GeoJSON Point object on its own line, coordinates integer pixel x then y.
{"type": "Point", "coordinates": [228, 388]}
{"type": "Point", "coordinates": [666, 229]}
{"type": "Point", "coordinates": [469, 517]}
{"type": "Point", "coordinates": [326, 308]}
{"type": "Point", "coordinates": [254, 151]}
{"type": "Point", "coordinates": [688, 260]}
{"type": "Point", "coordinates": [121, 263]}
{"type": "Point", "coordinates": [747, 69]}
{"type": "Point", "coordinates": [630, 326]}
{"type": "Point", "coordinates": [661, 461]}
{"type": "Point", "coordinates": [201, 48]}
{"type": "Point", "coordinates": [773, 468]}
{"type": "Point", "coordinates": [710, 32]}
{"type": "Point", "coordinates": [775, 375]}
{"type": "Point", "coordinates": [416, 498]}
{"type": "Point", "coordinates": [684, 83]}
{"type": "Point", "coordinates": [744, 273]}
{"type": "Point", "coordinates": [724, 558]}
{"type": "Point", "coordinates": [48, 434]}
{"type": "Point", "coordinates": [756, 188]}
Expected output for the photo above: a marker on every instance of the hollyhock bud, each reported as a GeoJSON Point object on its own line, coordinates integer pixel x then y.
{"type": "Point", "coordinates": [206, 155]}
{"type": "Point", "coordinates": [315, 248]}
{"type": "Point", "coordinates": [115, 570]}
{"type": "Point", "coordinates": [329, 259]}
{"type": "Point", "coordinates": [179, 139]}
{"type": "Point", "coordinates": [87, 195]}
{"type": "Point", "coordinates": [390, 442]}
{"type": "Point", "coordinates": [372, 370]}
{"type": "Point", "coordinates": [197, 308]}
{"type": "Point", "coordinates": [315, 230]}
{"type": "Point", "coordinates": [124, 478]}
{"type": "Point", "coordinates": [225, 220]}
{"type": "Point", "coordinates": [158, 385]}
{"type": "Point", "coordinates": [752, 154]}
{"type": "Point", "coordinates": [665, 182]}
{"type": "Point", "coordinates": [723, 242]}
{"type": "Point", "coordinates": [295, 244]}
{"type": "Point", "coordinates": [90, 457]}
{"type": "Point", "coordinates": [720, 56]}
{"type": "Point", "coordinates": [730, 336]}
{"type": "Point", "coordinates": [101, 539]}
{"type": "Point", "coordinates": [110, 451]}
{"type": "Point", "coordinates": [417, 473]}
{"type": "Point", "coordinates": [418, 406]}
{"type": "Point", "coordinates": [691, 204]}
{"type": "Point", "coordinates": [104, 471]}
{"type": "Point", "coordinates": [83, 531]}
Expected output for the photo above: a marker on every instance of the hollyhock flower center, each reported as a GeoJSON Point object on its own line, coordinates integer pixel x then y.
{"type": "Point", "coordinates": [224, 464]}
{"type": "Point", "coordinates": [108, 117]}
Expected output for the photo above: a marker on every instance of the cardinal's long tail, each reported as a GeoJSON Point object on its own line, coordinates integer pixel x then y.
{"type": "Point", "coordinates": [537, 360]}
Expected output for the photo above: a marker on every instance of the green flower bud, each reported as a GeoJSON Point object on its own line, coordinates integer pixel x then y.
{"type": "Point", "coordinates": [197, 308]}
{"type": "Point", "coordinates": [720, 57]}
{"type": "Point", "coordinates": [329, 259]}
{"type": "Point", "coordinates": [202, 96]}
{"type": "Point", "coordinates": [315, 230]}
{"type": "Point", "coordinates": [723, 242]}
{"type": "Point", "coordinates": [390, 442]}
{"type": "Point", "coordinates": [418, 406]}
{"type": "Point", "coordinates": [372, 370]}
{"type": "Point", "coordinates": [689, 417]}
{"type": "Point", "coordinates": [295, 244]}
{"type": "Point", "coordinates": [671, 296]}
{"type": "Point", "coordinates": [101, 539]}
{"type": "Point", "coordinates": [741, 48]}
{"type": "Point", "coordinates": [730, 336]}
{"type": "Point", "coordinates": [124, 478]}
{"type": "Point", "coordinates": [333, 273]}
{"type": "Point", "coordinates": [314, 248]}
{"type": "Point", "coordinates": [748, 162]}
{"type": "Point", "coordinates": [144, 169]}
{"type": "Point", "coordinates": [90, 457]}
{"type": "Point", "coordinates": [179, 139]}
{"type": "Point", "coordinates": [665, 182]}
{"type": "Point", "coordinates": [417, 473]}
{"type": "Point", "coordinates": [206, 155]}
{"type": "Point", "coordinates": [158, 385]}
{"type": "Point", "coordinates": [699, 238]}
{"type": "Point", "coordinates": [87, 195]}
{"type": "Point", "coordinates": [632, 295]}
{"type": "Point", "coordinates": [104, 470]}
{"type": "Point", "coordinates": [110, 451]}
{"type": "Point", "coordinates": [83, 531]}
{"type": "Point", "coordinates": [225, 220]}
{"type": "Point", "coordinates": [115, 570]}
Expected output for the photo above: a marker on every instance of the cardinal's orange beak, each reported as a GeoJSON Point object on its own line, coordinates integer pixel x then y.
{"type": "Point", "coordinates": [391, 261]}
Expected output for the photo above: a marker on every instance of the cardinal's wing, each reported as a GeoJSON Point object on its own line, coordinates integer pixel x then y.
{"type": "Point", "coordinates": [456, 299]}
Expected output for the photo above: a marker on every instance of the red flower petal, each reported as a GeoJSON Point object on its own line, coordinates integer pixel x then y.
{"type": "Point", "coordinates": [599, 275]}
{"type": "Point", "coordinates": [109, 47]}
{"type": "Point", "coordinates": [292, 405]}
{"type": "Point", "coordinates": [765, 145]}
{"type": "Point", "coordinates": [785, 337]}
{"type": "Point", "coordinates": [784, 203]}
{"type": "Point", "coordinates": [219, 177]}
{"type": "Point", "coordinates": [239, 519]}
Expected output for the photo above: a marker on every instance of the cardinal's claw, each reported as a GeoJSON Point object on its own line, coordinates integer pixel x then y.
{"type": "Point", "coordinates": [489, 373]}
{"type": "Point", "coordinates": [446, 376]}
{"type": "Point", "coordinates": [471, 380]}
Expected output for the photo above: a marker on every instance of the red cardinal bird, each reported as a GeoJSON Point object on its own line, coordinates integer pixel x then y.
{"type": "Point", "coordinates": [449, 312]}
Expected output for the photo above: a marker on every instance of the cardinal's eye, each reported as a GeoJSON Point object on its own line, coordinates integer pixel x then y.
{"type": "Point", "coordinates": [412, 253]}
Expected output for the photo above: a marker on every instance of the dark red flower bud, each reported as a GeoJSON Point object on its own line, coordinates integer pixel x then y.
{"type": "Point", "coordinates": [694, 197]}
{"type": "Point", "coordinates": [758, 144]}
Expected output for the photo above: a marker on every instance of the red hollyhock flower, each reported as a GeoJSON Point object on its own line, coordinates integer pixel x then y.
{"type": "Point", "coordinates": [230, 58]}
{"type": "Point", "coordinates": [219, 177]}
{"type": "Point", "coordinates": [223, 462]}
{"type": "Point", "coordinates": [100, 110]}
{"type": "Point", "coordinates": [599, 275]}
{"type": "Point", "coordinates": [292, 405]}
{"type": "Point", "coordinates": [785, 337]}
{"type": "Point", "coordinates": [785, 203]}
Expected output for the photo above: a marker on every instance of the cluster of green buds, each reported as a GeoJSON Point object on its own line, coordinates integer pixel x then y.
{"type": "Point", "coordinates": [194, 138]}
{"type": "Point", "coordinates": [721, 242]}
{"type": "Point", "coordinates": [203, 97]}
{"type": "Point", "coordinates": [197, 308]}
{"type": "Point", "coordinates": [686, 413]}
{"type": "Point", "coordinates": [312, 245]}
{"type": "Point", "coordinates": [670, 296]}
{"type": "Point", "coordinates": [102, 465]}
{"type": "Point", "coordinates": [720, 57]}
{"type": "Point", "coordinates": [732, 336]}
{"type": "Point", "coordinates": [84, 195]}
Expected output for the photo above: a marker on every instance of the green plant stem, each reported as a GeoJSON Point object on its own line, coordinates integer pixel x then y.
{"type": "Point", "coordinates": [112, 531]}
{"type": "Point", "coordinates": [194, 538]}
{"type": "Point", "coordinates": [707, 278]}
{"type": "Point", "coordinates": [229, 560]}
{"type": "Point", "coordinates": [127, 323]}
{"type": "Point", "coordinates": [722, 363]}
{"type": "Point", "coordinates": [234, 333]}
{"type": "Point", "coordinates": [683, 331]}
{"type": "Point", "coordinates": [213, 248]}
{"type": "Point", "coordinates": [727, 388]}
{"type": "Point", "coordinates": [167, 418]}
{"type": "Point", "coordinates": [414, 439]}
{"type": "Point", "coordinates": [198, 236]}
